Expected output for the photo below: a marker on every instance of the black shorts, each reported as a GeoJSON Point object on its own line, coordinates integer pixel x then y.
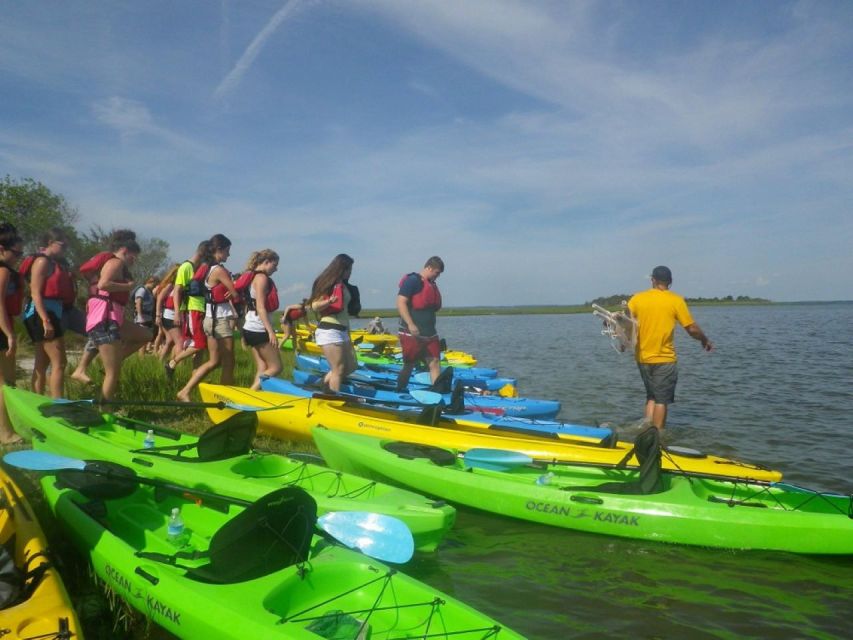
{"type": "Point", "coordinates": [4, 343]}
{"type": "Point", "coordinates": [35, 328]}
{"type": "Point", "coordinates": [660, 381]}
{"type": "Point", "coordinates": [255, 338]}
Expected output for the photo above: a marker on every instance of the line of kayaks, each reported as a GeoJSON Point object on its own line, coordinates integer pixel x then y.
{"type": "Point", "coordinates": [248, 561]}
{"type": "Point", "coordinates": [410, 403]}
{"type": "Point", "coordinates": [293, 417]}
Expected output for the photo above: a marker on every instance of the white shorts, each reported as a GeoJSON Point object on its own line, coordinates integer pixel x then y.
{"type": "Point", "coordinates": [331, 336]}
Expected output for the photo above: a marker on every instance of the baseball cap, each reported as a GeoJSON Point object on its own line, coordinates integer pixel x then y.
{"type": "Point", "coordinates": [662, 274]}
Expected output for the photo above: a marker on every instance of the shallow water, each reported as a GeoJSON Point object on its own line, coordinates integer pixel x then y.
{"type": "Point", "coordinates": [776, 390]}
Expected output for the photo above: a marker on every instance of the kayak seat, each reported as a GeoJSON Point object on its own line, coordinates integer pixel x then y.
{"type": "Point", "coordinates": [444, 382]}
{"type": "Point", "coordinates": [272, 533]}
{"type": "Point", "coordinates": [457, 400]}
{"type": "Point", "coordinates": [230, 438]}
{"type": "Point", "coordinates": [101, 480]}
{"type": "Point", "coordinates": [82, 414]}
{"type": "Point", "coordinates": [411, 450]}
{"type": "Point", "coordinates": [649, 475]}
{"type": "Point", "coordinates": [430, 415]}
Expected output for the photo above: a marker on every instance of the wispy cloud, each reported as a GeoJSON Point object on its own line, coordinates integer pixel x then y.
{"type": "Point", "coordinates": [132, 119]}
{"type": "Point", "coordinates": [230, 82]}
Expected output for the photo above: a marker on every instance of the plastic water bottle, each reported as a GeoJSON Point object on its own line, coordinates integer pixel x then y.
{"type": "Point", "coordinates": [175, 529]}
{"type": "Point", "coordinates": [545, 478]}
{"type": "Point", "coordinates": [148, 443]}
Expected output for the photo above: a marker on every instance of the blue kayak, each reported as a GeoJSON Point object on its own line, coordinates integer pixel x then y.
{"type": "Point", "coordinates": [492, 404]}
{"type": "Point", "coordinates": [318, 364]}
{"type": "Point", "coordinates": [535, 427]}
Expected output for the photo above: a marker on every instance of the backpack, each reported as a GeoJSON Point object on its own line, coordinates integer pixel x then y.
{"type": "Point", "coordinates": [196, 286]}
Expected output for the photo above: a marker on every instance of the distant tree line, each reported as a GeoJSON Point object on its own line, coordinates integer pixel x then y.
{"type": "Point", "coordinates": [616, 300]}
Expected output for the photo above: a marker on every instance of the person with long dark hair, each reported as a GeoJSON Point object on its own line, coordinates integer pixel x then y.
{"type": "Point", "coordinates": [219, 318]}
{"type": "Point", "coordinates": [330, 300]}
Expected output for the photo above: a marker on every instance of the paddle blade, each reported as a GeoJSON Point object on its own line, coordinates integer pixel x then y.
{"type": "Point", "coordinates": [495, 459]}
{"type": "Point", "coordinates": [41, 461]}
{"type": "Point", "coordinates": [426, 397]}
{"type": "Point", "coordinates": [422, 377]}
{"type": "Point", "coordinates": [366, 346]}
{"type": "Point", "coordinates": [376, 535]}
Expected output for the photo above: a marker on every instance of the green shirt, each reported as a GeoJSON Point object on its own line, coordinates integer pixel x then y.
{"type": "Point", "coordinates": [183, 278]}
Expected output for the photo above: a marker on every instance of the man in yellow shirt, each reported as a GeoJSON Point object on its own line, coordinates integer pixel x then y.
{"type": "Point", "coordinates": [656, 312]}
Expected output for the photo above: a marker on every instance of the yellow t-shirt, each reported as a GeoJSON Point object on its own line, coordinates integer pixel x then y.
{"type": "Point", "coordinates": [183, 277]}
{"type": "Point", "coordinates": [656, 313]}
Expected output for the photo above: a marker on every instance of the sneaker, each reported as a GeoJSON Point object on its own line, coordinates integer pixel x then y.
{"type": "Point", "coordinates": [170, 372]}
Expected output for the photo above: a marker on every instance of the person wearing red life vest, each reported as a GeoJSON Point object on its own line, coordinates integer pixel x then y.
{"type": "Point", "coordinates": [418, 300]}
{"type": "Point", "coordinates": [330, 300]}
{"type": "Point", "coordinates": [189, 309]}
{"type": "Point", "coordinates": [219, 319]}
{"type": "Point", "coordinates": [11, 299]}
{"type": "Point", "coordinates": [51, 289]}
{"type": "Point", "coordinates": [111, 284]}
{"type": "Point", "coordinates": [262, 300]}
{"type": "Point", "coordinates": [169, 339]}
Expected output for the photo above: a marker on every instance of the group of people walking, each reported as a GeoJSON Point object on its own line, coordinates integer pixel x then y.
{"type": "Point", "coordinates": [192, 310]}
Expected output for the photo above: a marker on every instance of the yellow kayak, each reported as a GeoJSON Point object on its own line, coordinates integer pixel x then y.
{"type": "Point", "coordinates": [292, 417]}
{"type": "Point", "coordinates": [46, 611]}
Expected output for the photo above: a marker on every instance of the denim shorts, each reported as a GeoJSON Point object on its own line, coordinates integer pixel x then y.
{"type": "Point", "coordinates": [660, 381]}
{"type": "Point", "coordinates": [105, 332]}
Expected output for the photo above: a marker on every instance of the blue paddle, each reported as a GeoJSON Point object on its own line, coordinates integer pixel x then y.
{"type": "Point", "coordinates": [495, 459]}
{"type": "Point", "coordinates": [426, 397]}
{"type": "Point", "coordinates": [376, 535]}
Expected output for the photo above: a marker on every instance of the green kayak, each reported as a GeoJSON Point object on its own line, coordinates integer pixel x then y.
{"type": "Point", "coordinates": [247, 572]}
{"type": "Point", "coordinates": [647, 504]}
{"type": "Point", "coordinates": [220, 460]}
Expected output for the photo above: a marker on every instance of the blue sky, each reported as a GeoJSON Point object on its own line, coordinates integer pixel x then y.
{"type": "Point", "coordinates": [550, 152]}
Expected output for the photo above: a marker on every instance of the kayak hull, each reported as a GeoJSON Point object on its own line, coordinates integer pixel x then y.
{"type": "Point", "coordinates": [694, 511]}
{"type": "Point", "coordinates": [283, 603]}
{"type": "Point", "coordinates": [47, 612]}
{"type": "Point", "coordinates": [291, 417]}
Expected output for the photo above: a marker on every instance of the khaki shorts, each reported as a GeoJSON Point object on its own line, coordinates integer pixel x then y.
{"type": "Point", "coordinates": [219, 327]}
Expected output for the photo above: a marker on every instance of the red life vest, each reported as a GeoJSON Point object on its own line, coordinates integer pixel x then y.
{"type": "Point", "coordinates": [429, 297]}
{"type": "Point", "coordinates": [218, 293]}
{"type": "Point", "coordinates": [91, 271]}
{"type": "Point", "coordinates": [57, 286]}
{"type": "Point", "coordinates": [169, 302]}
{"type": "Point", "coordinates": [13, 297]}
{"type": "Point", "coordinates": [243, 285]}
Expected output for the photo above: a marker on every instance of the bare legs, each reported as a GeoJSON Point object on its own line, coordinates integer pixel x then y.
{"type": "Point", "coordinates": [341, 358]}
{"type": "Point", "coordinates": [7, 376]}
{"type": "Point", "coordinates": [267, 362]}
{"type": "Point", "coordinates": [655, 414]}
{"type": "Point", "coordinates": [221, 352]}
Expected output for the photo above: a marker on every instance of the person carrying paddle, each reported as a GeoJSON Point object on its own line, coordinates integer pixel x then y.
{"type": "Point", "coordinates": [418, 300]}
{"type": "Point", "coordinates": [656, 311]}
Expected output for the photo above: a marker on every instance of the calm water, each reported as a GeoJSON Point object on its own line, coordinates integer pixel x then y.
{"type": "Point", "coordinates": [776, 390]}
